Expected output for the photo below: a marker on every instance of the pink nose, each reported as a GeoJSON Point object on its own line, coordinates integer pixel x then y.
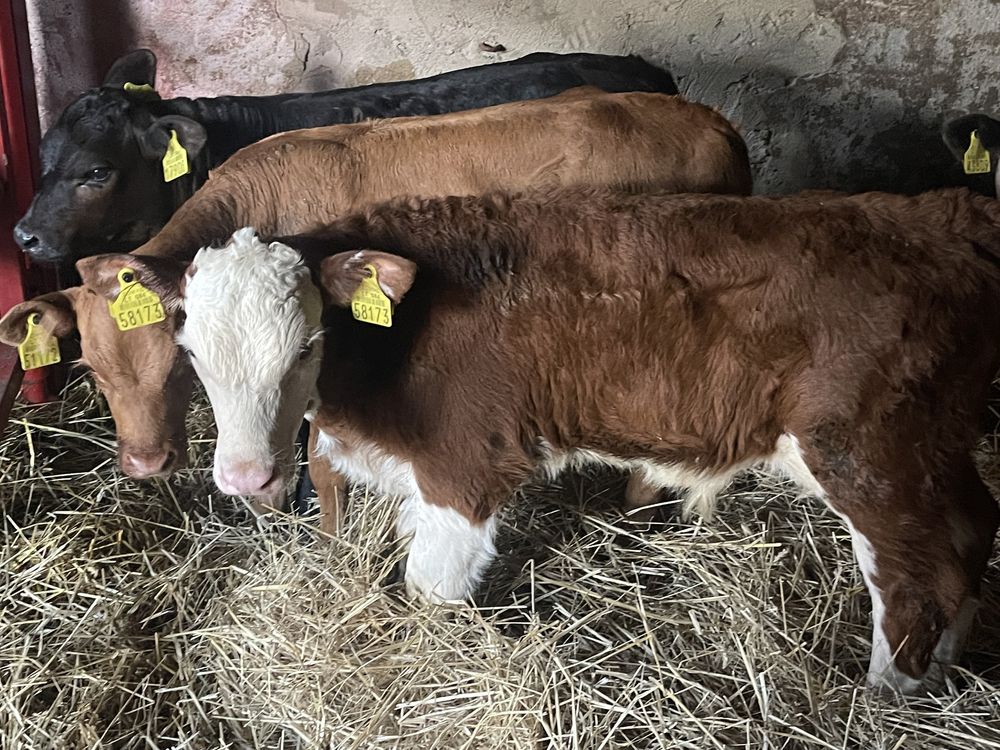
{"type": "Point", "coordinates": [145, 464]}
{"type": "Point", "coordinates": [248, 478]}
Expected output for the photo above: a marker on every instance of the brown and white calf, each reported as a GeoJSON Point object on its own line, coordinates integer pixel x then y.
{"type": "Point", "coordinates": [847, 342]}
{"type": "Point", "coordinates": [298, 181]}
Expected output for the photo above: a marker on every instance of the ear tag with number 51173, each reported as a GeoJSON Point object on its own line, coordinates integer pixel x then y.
{"type": "Point", "coordinates": [39, 348]}
{"type": "Point", "coordinates": [135, 306]}
{"type": "Point", "coordinates": [369, 303]}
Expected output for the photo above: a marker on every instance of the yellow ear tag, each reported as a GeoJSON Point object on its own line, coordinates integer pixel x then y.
{"type": "Point", "coordinates": [139, 88]}
{"type": "Point", "coordinates": [39, 348]}
{"type": "Point", "coordinates": [977, 158]}
{"type": "Point", "coordinates": [175, 161]}
{"type": "Point", "coordinates": [369, 303]}
{"type": "Point", "coordinates": [135, 306]}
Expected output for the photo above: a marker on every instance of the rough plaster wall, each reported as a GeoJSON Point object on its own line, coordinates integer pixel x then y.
{"type": "Point", "coordinates": [846, 94]}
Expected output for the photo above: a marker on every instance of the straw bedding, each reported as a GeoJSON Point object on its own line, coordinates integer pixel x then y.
{"type": "Point", "coordinates": [160, 615]}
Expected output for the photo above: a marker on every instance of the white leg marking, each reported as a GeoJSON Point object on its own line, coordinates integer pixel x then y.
{"type": "Point", "coordinates": [702, 496]}
{"type": "Point", "coordinates": [447, 554]}
{"type": "Point", "coordinates": [882, 669]}
{"type": "Point", "coordinates": [881, 658]}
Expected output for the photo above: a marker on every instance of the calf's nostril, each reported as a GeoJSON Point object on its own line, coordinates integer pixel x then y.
{"type": "Point", "coordinates": [249, 479]}
{"type": "Point", "coordinates": [144, 465]}
{"type": "Point", "coordinates": [24, 238]}
{"type": "Point", "coordinates": [272, 478]}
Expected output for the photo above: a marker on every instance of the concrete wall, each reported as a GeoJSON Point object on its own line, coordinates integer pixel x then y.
{"type": "Point", "coordinates": [846, 94]}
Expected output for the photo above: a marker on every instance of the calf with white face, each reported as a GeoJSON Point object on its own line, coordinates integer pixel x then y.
{"type": "Point", "coordinates": [254, 336]}
{"type": "Point", "coordinates": [813, 334]}
{"type": "Point", "coordinates": [253, 331]}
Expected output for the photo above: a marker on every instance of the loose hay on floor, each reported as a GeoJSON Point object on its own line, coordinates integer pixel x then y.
{"type": "Point", "coordinates": [158, 615]}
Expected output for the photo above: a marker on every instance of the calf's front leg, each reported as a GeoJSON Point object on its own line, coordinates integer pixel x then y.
{"type": "Point", "coordinates": [331, 485]}
{"type": "Point", "coordinates": [447, 552]}
{"type": "Point", "coordinates": [923, 600]}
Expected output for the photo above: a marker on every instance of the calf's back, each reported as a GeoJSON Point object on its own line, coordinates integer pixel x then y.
{"type": "Point", "coordinates": [297, 182]}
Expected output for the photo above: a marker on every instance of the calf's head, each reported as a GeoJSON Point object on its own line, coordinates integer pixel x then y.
{"type": "Point", "coordinates": [252, 329]}
{"type": "Point", "coordinates": [102, 185]}
{"type": "Point", "coordinates": [144, 377]}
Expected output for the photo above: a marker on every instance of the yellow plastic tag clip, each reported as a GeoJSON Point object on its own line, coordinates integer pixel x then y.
{"type": "Point", "coordinates": [175, 161]}
{"type": "Point", "coordinates": [369, 303]}
{"type": "Point", "coordinates": [139, 88]}
{"type": "Point", "coordinates": [977, 158]}
{"type": "Point", "coordinates": [135, 306]}
{"type": "Point", "coordinates": [39, 348]}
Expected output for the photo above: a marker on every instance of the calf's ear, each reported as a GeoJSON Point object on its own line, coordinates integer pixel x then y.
{"type": "Point", "coordinates": [342, 274]}
{"type": "Point", "coordinates": [154, 139]}
{"type": "Point", "coordinates": [957, 131]}
{"type": "Point", "coordinates": [55, 311]}
{"type": "Point", "coordinates": [137, 66]}
{"type": "Point", "coordinates": [161, 275]}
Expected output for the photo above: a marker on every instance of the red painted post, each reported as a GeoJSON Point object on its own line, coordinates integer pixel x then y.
{"type": "Point", "coordinates": [18, 166]}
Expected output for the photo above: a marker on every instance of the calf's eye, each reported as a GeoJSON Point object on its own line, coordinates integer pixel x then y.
{"type": "Point", "coordinates": [99, 174]}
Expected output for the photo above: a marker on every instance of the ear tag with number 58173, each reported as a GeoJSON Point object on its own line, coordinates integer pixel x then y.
{"type": "Point", "coordinates": [39, 348]}
{"type": "Point", "coordinates": [135, 306]}
{"type": "Point", "coordinates": [369, 303]}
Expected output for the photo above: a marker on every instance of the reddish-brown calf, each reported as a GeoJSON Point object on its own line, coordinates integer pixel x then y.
{"type": "Point", "coordinates": [847, 341]}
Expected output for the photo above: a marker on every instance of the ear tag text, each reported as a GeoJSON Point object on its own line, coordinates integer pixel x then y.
{"type": "Point", "coordinates": [369, 303]}
{"type": "Point", "coordinates": [135, 306]}
{"type": "Point", "coordinates": [140, 88]}
{"type": "Point", "coordinates": [175, 161]}
{"type": "Point", "coordinates": [39, 348]}
{"type": "Point", "coordinates": [977, 158]}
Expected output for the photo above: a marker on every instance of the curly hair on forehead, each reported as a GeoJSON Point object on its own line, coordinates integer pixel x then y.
{"type": "Point", "coordinates": [101, 112]}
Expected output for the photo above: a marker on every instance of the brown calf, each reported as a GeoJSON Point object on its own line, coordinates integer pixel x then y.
{"type": "Point", "coordinates": [297, 181]}
{"type": "Point", "coordinates": [846, 341]}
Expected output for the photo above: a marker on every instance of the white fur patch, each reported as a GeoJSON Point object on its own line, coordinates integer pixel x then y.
{"type": "Point", "coordinates": [251, 312]}
{"type": "Point", "coordinates": [365, 462]}
{"type": "Point", "coordinates": [447, 554]}
{"type": "Point", "coordinates": [882, 670]}
{"type": "Point", "coordinates": [701, 488]}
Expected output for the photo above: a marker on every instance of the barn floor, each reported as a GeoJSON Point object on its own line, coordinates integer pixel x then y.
{"type": "Point", "coordinates": [159, 615]}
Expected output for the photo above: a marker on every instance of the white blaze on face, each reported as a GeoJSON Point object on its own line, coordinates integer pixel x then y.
{"type": "Point", "coordinates": [253, 329]}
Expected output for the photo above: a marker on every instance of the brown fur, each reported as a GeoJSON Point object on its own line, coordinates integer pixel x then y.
{"type": "Point", "coordinates": [695, 330]}
{"type": "Point", "coordinates": [141, 382]}
{"type": "Point", "coordinates": [297, 181]}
